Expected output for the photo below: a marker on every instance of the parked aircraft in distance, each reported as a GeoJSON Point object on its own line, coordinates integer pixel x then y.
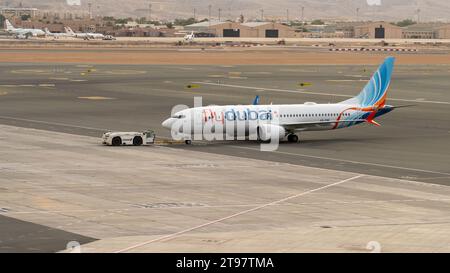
{"type": "Point", "coordinates": [189, 37]}
{"type": "Point", "coordinates": [84, 35]}
{"type": "Point", "coordinates": [23, 33]}
{"type": "Point", "coordinates": [55, 34]}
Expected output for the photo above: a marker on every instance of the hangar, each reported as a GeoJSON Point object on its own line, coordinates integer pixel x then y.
{"type": "Point", "coordinates": [378, 30]}
{"type": "Point", "coordinates": [246, 30]}
{"type": "Point", "coordinates": [269, 30]}
{"type": "Point", "coordinates": [443, 32]}
{"type": "Point", "coordinates": [218, 29]}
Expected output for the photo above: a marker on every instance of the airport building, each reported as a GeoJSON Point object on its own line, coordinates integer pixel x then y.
{"type": "Point", "coordinates": [443, 32]}
{"type": "Point", "coordinates": [422, 31]}
{"type": "Point", "coordinates": [246, 30]}
{"type": "Point", "coordinates": [269, 30]}
{"type": "Point", "coordinates": [378, 30]}
{"type": "Point", "coordinates": [9, 12]}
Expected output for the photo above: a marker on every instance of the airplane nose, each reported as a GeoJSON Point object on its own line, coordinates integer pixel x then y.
{"type": "Point", "coordinates": [167, 123]}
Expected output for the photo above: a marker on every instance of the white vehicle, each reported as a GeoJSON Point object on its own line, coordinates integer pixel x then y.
{"type": "Point", "coordinates": [128, 138]}
{"type": "Point", "coordinates": [109, 38]}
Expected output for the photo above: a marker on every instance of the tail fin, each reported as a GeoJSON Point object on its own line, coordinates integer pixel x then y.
{"type": "Point", "coordinates": [9, 26]}
{"type": "Point", "coordinates": [256, 101]}
{"type": "Point", "coordinates": [47, 31]}
{"type": "Point", "coordinates": [375, 92]}
{"type": "Point", "coordinates": [69, 30]}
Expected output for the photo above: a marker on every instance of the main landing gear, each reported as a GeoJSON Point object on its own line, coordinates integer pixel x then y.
{"type": "Point", "coordinates": [293, 138]}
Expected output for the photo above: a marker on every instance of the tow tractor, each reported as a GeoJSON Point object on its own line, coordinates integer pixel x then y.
{"type": "Point", "coordinates": [129, 138]}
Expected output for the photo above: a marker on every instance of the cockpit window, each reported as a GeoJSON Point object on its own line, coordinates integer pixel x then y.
{"type": "Point", "coordinates": [178, 116]}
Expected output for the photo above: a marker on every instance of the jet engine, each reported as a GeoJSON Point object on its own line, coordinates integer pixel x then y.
{"type": "Point", "coordinates": [267, 132]}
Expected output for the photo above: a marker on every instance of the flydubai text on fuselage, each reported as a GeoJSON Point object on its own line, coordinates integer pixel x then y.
{"type": "Point", "coordinates": [284, 121]}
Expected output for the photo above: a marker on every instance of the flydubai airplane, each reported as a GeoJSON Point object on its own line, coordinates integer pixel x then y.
{"type": "Point", "coordinates": [23, 33]}
{"type": "Point", "coordinates": [283, 122]}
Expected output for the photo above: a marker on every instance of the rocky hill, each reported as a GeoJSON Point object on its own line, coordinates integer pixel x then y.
{"type": "Point", "coordinates": [430, 10]}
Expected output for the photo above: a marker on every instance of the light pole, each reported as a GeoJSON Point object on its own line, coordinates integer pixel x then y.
{"type": "Point", "coordinates": [150, 12]}
{"type": "Point", "coordinates": [90, 10]}
{"type": "Point", "coordinates": [262, 14]}
{"type": "Point", "coordinates": [209, 16]}
{"type": "Point", "coordinates": [303, 14]}
{"type": "Point", "coordinates": [220, 10]}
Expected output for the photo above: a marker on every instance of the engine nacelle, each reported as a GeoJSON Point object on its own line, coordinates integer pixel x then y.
{"type": "Point", "coordinates": [267, 132]}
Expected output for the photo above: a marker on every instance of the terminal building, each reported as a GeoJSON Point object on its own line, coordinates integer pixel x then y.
{"type": "Point", "coordinates": [9, 12]}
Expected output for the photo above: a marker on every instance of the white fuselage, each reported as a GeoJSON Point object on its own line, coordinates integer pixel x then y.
{"type": "Point", "coordinates": [26, 31]}
{"type": "Point", "coordinates": [244, 120]}
{"type": "Point", "coordinates": [272, 122]}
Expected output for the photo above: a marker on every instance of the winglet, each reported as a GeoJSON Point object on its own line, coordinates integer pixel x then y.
{"type": "Point", "coordinates": [256, 101]}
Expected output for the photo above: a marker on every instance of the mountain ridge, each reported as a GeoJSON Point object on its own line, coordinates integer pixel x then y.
{"type": "Point", "coordinates": [389, 10]}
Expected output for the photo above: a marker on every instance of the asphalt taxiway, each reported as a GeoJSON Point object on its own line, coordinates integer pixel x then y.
{"type": "Point", "coordinates": [225, 196]}
{"type": "Point", "coordinates": [413, 143]}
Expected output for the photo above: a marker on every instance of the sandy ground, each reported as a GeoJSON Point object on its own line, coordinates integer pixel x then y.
{"type": "Point", "coordinates": [208, 57]}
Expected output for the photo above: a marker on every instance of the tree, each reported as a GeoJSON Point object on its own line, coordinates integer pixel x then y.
{"type": "Point", "coordinates": [122, 21]}
{"type": "Point", "coordinates": [141, 20]}
{"type": "Point", "coordinates": [317, 22]}
{"type": "Point", "coordinates": [156, 23]}
{"type": "Point", "coordinates": [2, 21]}
{"type": "Point", "coordinates": [169, 25]}
{"type": "Point", "coordinates": [185, 22]}
{"type": "Point", "coordinates": [25, 17]}
{"type": "Point", "coordinates": [405, 23]}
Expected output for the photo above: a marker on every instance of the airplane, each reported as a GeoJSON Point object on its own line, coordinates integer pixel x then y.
{"type": "Point", "coordinates": [189, 37]}
{"type": "Point", "coordinates": [284, 122]}
{"type": "Point", "coordinates": [84, 35]}
{"type": "Point", "coordinates": [23, 33]}
{"type": "Point", "coordinates": [56, 35]}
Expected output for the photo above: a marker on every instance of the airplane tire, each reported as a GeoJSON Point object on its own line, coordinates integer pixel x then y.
{"type": "Point", "coordinates": [188, 142]}
{"type": "Point", "coordinates": [137, 141]}
{"type": "Point", "coordinates": [293, 138]}
{"type": "Point", "coordinates": [117, 141]}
